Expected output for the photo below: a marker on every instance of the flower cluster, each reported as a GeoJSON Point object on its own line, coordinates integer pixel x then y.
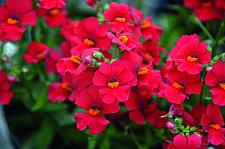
{"type": "Point", "coordinates": [110, 66]}
{"type": "Point", "coordinates": [105, 64]}
{"type": "Point", "coordinates": [207, 10]}
{"type": "Point", "coordinates": [6, 93]}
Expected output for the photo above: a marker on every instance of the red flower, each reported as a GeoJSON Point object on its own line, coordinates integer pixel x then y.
{"type": "Point", "coordinates": [91, 2]}
{"type": "Point", "coordinates": [60, 90]}
{"type": "Point", "coordinates": [49, 4]}
{"type": "Point", "coordinates": [148, 30]}
{"type": "Point", "coordinates": [36, 52]}
{"type": "Point", "coordinates": [76, 63]}
{"type": "Point", "coordinates": [91, 102]}
{"type": "Point", "coordinates": [126, 41]}
{"type": "Point", "coordinates": [13, 18]}
{"type": "Point", "coordinates": [207, 10]}
{"type": "Point", "coordinates": [51, 61]}
{"type": "Point", "coordinates": [216, 79]}
{"type": "Point", "coordinates": [5, 93]}
{"type": "Point", "coordinates": [54, 17]}
{"type": "Point", "coordinates": [213, 121]}
{"type": "Point", "coordinates": [194, 116]}
{"type": "Point", "coordinates": [70, 87]}
{"type": "Point", "coordinates": [118, 16]}
{"type": "Point", "coordinates": [148, 79]}
{"type": "Point", "coordinates": [190, 54]}
{"type": "Point", "coordinates": [68, 29]}
{"type": "Point", "coordinates": [132, 60]}
{"type": "Point", "coordinates": [182, 142]}
{"type": "Point", "coordinates": [140, 110]}
{"type": "Point", "coordinates": [91, 36]}
{"type": "Point", "coordinates": [178, 85]}
{"type": "Point", "coordinates": [151, 52]}
{"type": "Point", "coordinates": [114, 81]}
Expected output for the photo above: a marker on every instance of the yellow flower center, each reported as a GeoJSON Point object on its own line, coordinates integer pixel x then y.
{"type": "Point", "coordinates": [94, 111]}
{"type": "Point", "coordinates": [113, 84]}
{"type": "Point", "coordinates": [123, 39]}
{"type": "Point", "coordinates": [75, 59]}
{"type": "Point", "coordinates": [177, 85]}
{"type": "Point", "coordinates": [145, 24]}
{"type": "Point", "coordinates": [12, 21]}
{"type": "Point", "coordinates": [206, 4]}
{"type": "Point", "coordinates": [88, 42]}
{"type": "Point", "coordinates": [67, 86]}
{"type": "Point", "coordinates": [40, 55]}
{"type": "Point", "coordinates": [215, 126]}
{"type": "Point", "coordinates": [120, 19]}
{"type": "Point", "coordinates": [54, 11]}
{"type": "Point", "coordinates": [192, 59]}
{"type": "Point", "coordinates": [148, 55]}
{"type": "Point", "coordinates": [222, 85]}
{"type": "Point", "coordinates": [143, 71]}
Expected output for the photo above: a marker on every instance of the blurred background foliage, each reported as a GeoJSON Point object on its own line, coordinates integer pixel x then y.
{"type": "Point", "coordinates": [35, 123]}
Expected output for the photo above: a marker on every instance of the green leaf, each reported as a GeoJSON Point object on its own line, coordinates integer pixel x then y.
{"type": "Point", "coordinates": [44, 135]}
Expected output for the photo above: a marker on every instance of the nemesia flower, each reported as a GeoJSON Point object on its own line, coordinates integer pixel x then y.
{"type": "Point", "coordinates": [118, 17]}
{"type": "Point", "coordinates": [5, 92]}
{"type": "Point", "coordinates": [36, 52]}
{"type": "Point", "coordinates": [151, 52]}
{"type": "Point", "coordinates": [60, 90]}
{"type": "Point", "coordinates": [54, 17]}
{"type": "Point", "coordinates": [76, 63]}
{"type": "Point", "coordinates": [70, 87]}
{"type": "Point", "coordinates": [179, 85]}
{"type": "Point", "coordinates": [190, 54]}
{"type": "Point", "coordinates": [94, 119]}
{"type": "Point", "coordinates": [207, 10]}
{"type": "Point", "coordinates": [148, 30]}
{"type": "Point", "coordinates": [140, 110]}
{"type": "Point", "coordinates": [195, 115]}
{"type": "Point", "coordinates": [91, 36]}
{"type": "Point", "coordinates": [51, 61]}
{"type": "Point", "coordinates": [136, 14]}
{"type": "Point", "coordinates": [66, 47]}
{"type": "Point", "coordinates": [213, 122]}
{"type": "Point", "coordinates": [114, 81]}
{"type": "Point", "coordinates": [91, 2]}
{"type": "Point", "coordinates": [148, 79]}
{"type": "Point", "coordinates": [14, 17]}
{"type": "Point", "coordinates": [132, 60]}
{"type": "Point", "coordinates": [190, 142]}
{"type": "Point", "coordinates": [126, 41]}
{"type": "Point", "coordinates": [49, 4]}
{"type": "Point", "coordinates": [216, 79]}
{"type": "Point", "coordinates": [68, 29]}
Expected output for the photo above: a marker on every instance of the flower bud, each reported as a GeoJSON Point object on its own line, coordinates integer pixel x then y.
{"type": "Point", "coordinates": [170, 125]}
{"type": "Point", "coordinates": [97, 55]}
{"type": "Point", "coordinates": [12, 79]}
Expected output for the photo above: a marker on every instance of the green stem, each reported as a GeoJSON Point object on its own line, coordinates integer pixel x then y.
{"type": "Point", "coordinates": [202, 94]}
{"type": "Point", "coordinates": [1, 54]}
{"type": "Point", "coordinates": [199, 23]}
{"type": "Point", "coordinates": [135, 140]}
{"type": "Point", "coordinates": [218, 36]}
{"type": "Point", "coordinates": [43, 75]}
{"type": "Point", "coordinates": [27, 87]}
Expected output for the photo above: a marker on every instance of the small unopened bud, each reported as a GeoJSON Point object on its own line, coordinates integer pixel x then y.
{"type": "Point", "coordinates": [88, 60]}
{"type": "Point", "coordinates": [170, 125]}
{"type": "Point", "coordinates": [208, 68]}
{"type": "Point", "coordinates": [178, 120]}
{"type": "Point", "coordinates": [97, 55]}
{"type": "Point", "coordinates": [4, 59]}
{"type": "Point", "coordinates": [11, 79]}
